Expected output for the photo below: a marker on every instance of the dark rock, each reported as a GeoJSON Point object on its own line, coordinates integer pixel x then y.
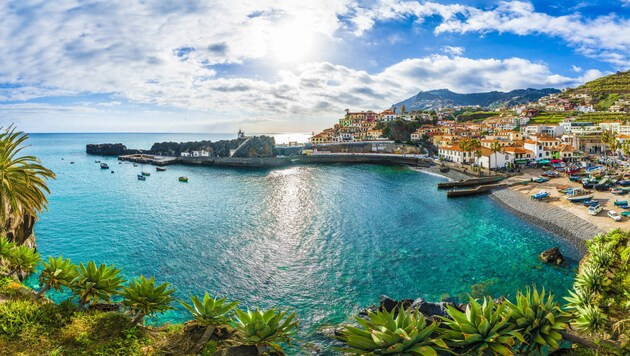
{"type": "Point", "coordinates": [552, 256]}
{"type": "Point", "coordinates": [242, 350]}
{"type": "Point", "coordinates": [390, 304]}
{"type": "Point", "coordinates": [109, 149]}
{"type": "Point", "coordinates": [429, 309]}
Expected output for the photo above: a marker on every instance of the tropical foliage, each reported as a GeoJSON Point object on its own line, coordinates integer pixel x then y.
{"type": "Point", "coordinates": [540, 320]}
{"type": "Point", "coordinates": [265, 329]}
{"type": "Point", "coordinates": [56, 274]}
{"type": "Point", "coordinates": [483, 328]}
{"type": "Point", "coordinates": [209, 312]}
{"type": "Point", "coordinates": [142, 297]}
{"type": "Point", "coordinates": [399, 332]}
{"type": "Point", "coordinates": [23, 184]}
{"type": "Point", "coordinates": [22, 260]}
{"type": "Point", "coordinates": [95, 284]}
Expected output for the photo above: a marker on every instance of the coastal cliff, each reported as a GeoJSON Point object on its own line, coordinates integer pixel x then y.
{"type": "Point", "coordinates": [110, 149]}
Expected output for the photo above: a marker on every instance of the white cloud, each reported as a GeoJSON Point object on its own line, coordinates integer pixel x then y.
{"type": "Point", "coordinates": [457, 51]}
{"type": "Point", "coordinates": [576, 69]}
{"type": "Point", "coordinates": [604, 37]}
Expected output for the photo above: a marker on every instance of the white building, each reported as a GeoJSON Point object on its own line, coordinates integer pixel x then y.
{"type": "Point", "coordinates": [549, 130]}
{"type": "Point", "coordinates": [202, 153]}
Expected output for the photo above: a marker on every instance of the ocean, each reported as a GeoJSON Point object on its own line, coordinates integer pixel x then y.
{"type": "Point", "coordinates": [325, 241]}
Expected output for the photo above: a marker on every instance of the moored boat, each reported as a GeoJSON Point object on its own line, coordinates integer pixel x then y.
{"type": "Point", "coordinates": [104, 166]}
{"type": "Point", "coordinates": [160, 169]}
{"type": "Point", "coordinates": [183, 179]}
{"type": "Point", "coordinates": [141, 177]}
{"type": "Point", "coordinates": [145, 173]}
{"type": "Point", "coordinates": [579, 194]}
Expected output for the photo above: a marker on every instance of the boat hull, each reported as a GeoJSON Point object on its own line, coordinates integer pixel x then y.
{"type": "Point", "coordinates": [580, 197]}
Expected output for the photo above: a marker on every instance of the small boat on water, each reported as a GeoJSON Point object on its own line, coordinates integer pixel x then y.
{"type": "Point", "coordinates": [579, 194]}
{"type": "Point", "coordinates": [112, 171]}
{"type": "Point", "coordinates": [71, 162]}
{"type": "Point", "coordinates": [160, 169]}
{"type": "Point", "coordinates": [97, 161]}
{"type": "Point", "coordinates": [183, 179]}
{"type": "Point", "coordinates": [145, 173]}
{"type": "Point", "coordinates": [104, 166]}
{"type": "Point", "coordinates": [141, 177]}
{"type": "Point", "coordinates": [540, 195]}
{"type": "Point", "coordinates": [135, 165]}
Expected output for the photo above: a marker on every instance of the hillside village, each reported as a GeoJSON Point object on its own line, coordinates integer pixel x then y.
{"type": "Point", "coordinates": [561, 126]}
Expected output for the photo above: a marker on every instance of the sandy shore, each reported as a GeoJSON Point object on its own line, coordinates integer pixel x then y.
{"type": "Point", "coordinates": [557, 214]}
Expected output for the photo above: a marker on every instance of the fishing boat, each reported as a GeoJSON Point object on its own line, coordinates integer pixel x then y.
{"type": "Point", "coordinates": [160, 169]}
{"type": "Point", "coordinates": [104, 166]}
{"type": "Point", "coordinates": [624, 183]}
{"type": "Point", "coordinates": [617, 191]}
{"type": "Point", "coordinates": [625, 213]}
{"type": "Point", "coordinates": [145, 173]}
{"type": "Point", "coordinates": [183, 179]}
{"type": "Point", "coordinates": [590, 202]}
{"type": "Point", "coordinates": [578, 194]}
{"type": "Point", "coordinates": [575, 178]}
{"type": "Point", "coordinates": [562, 188]}
{"type": "Point", "coordinates": [621, 202]}
{"type": "Point", "coordinates": [97, 161]}
{"type": "Point", "coordinates": [541, 180]}
{"type": "Point", "coordinates": [141, 177]}
{"type": "Point", "coordinates": [540, 195]}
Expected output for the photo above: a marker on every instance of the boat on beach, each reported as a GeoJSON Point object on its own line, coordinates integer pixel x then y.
{"type": "Point", "coordinates": [540, 195]}
{"type": "Point", "coordinates": [579, 194]}
{"type": "Point", "coordinates": [617, 191]}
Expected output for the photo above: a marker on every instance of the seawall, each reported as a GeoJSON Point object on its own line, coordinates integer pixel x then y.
{"type": "Point", "coordinates": [549, 217]}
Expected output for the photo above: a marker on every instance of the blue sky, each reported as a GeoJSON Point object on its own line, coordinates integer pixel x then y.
{"type": "Point", "coordinates": [283, 65]}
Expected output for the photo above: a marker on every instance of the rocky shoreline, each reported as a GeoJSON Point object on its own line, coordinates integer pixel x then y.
{"type": "Point", "coordinates": [549, 217]}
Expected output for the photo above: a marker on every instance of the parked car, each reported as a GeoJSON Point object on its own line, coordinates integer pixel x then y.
{"type": "Point", "coordinates": [613, 215]}
{"type": "Point", "coordinates": [594, 210]}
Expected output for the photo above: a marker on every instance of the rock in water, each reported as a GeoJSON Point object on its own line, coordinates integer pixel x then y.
{"type": "Point", "coordinates": [552, 256]}
{"type": "Point", "coordinates": [389, 304]}
{"type": "Point", "coordinates": [429, 309]}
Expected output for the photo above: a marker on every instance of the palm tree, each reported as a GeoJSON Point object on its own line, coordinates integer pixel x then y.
{"type": "Point", "coordinates": [211, 312]}
{"type": "Point", "coordinates": [22, 260]}
{"type": "Point", "coordinates": [57, 273]}
{"type": "Point", "coordinates": [496, 147]}
{"type": "Point", "coordinates": [23, 186]}
{"type": "Point", "coordinates": [141, 296]}
{"type": "Point", "coordinates": [93, 284]}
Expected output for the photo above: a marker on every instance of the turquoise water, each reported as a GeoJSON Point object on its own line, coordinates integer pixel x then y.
{"type": "Point", "coordinates": [324, 240]}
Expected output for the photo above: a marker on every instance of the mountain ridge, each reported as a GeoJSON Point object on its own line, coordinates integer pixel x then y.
{"type": "Point", "coordinates": [445, 98]}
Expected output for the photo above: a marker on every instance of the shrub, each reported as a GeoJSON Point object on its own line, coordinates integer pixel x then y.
{"type": "Point", "coordinates": [265, 329]}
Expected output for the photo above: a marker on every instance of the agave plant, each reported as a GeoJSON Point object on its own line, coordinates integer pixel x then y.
{"type": "Point", "coordinates": [539, 320]}
{"type": "Point", "coordinates": [6, 248]}
{"type": "Point", "coordinates": [405, 334]}
{"type": "Point", "coordinates": [57, 273]}
{"type": "Point", "coordinates": [579, 297]}
{"type": "Point", "coordinates": [602, 255]}
{"type": "Point", "coordinates": [590, 318]}
{"type": "Point", "coordinates": [93, 284]}
{"type": "Point", "coordinates": [209, 312]}
{"type": "Point", "coordinates": [591, 279]}
{"type": "Point", "coordinates": [484, 328]}
{"type": "Point", "coordinates": [144, 298]}
{"type": "Point", "coordinates": [264, 329]}
{"type": "Point", "coordinates": [22, 260]}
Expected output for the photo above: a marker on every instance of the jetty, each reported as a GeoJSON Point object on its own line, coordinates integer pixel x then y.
{"type": "Point", "coordinates": [470, 182]}
{"type": "Point", "coordinates": [482, 189]}
{"type": "Point", "coordinates": [149, 159]}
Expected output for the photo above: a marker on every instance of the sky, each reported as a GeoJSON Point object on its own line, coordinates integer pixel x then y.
{"type": "Point", "coordinates": [271, 66]}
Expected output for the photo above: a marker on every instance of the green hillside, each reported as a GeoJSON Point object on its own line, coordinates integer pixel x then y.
{"type": "Point", "coordinates": [618, 83]}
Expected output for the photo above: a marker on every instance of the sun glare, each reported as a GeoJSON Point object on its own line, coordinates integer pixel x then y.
{"type": "Point", "coordinates": [292, 42]}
